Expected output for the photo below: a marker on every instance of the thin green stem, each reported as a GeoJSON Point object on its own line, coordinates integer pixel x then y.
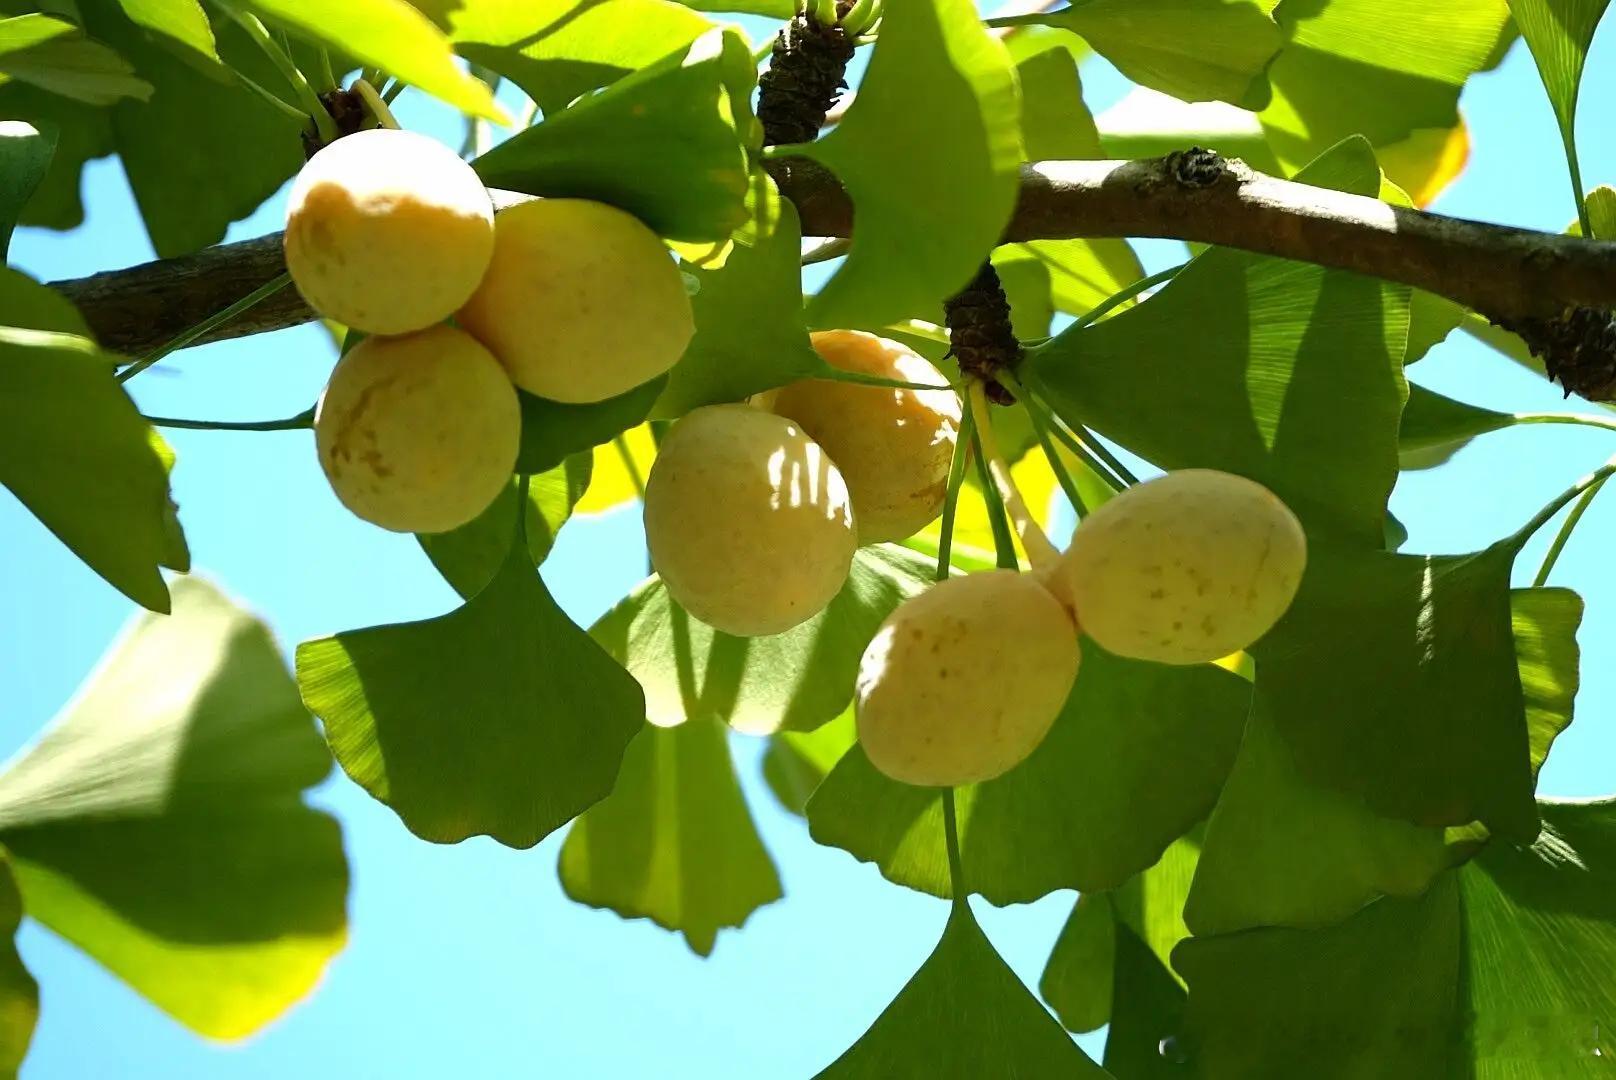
{"type": "Point", "coordinates": [1544, 516]}
{"type": "Point", "coordinates": [1040, 429]}
{"type": "Point", "coordinates": [834, 248]}
{"type": "Point", "coordinates": [1040, 552]}
{"type": "Point", "coordinates": [1004, 545]}
{"type": "Point", "coordinates": [824, 12]}
{"type": "Point", "coordinates": [271, 97]}
{"type": "Point", "coordinates": [302, 420]}
{"type": "Point", "coordinates": [1116, 300]}
{"type": "Point", "coordinates": [282, 60]}
{"type": "Point", "coordinates": [1112, 462]}
{"type": "Point", "coordinates": [629, 465]}
{"type": "Point", "coordinates": [831, 374]}
{"type": "Point", "coordinates": [956, 864]}
{"type": "Point", "coordinates": [956, 478]}
{"type": "Point", "coordinates": [327, 75]}
{"type": "Point", "coordinates": [206, 326]}
{"type": "Point", "coordinates": [374, 103]}
{"type": "Point", "coordinates": [1579, 419]}
{"type": "Point", "coordinates": [1077, 447]}
{"type": "Point", "coordinates": [1576, 181]}
{"type": "Point", "coordinates": [860, 17]}
{"type": "Point", "coordinates": [394, 88]}
{"type": "Point", "coordinates": [1564, 535]}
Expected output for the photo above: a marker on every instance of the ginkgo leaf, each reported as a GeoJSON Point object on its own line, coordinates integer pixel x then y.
{"type": "Point", "coordinates": [500, 718]}
{"type": "Point", "coordinates": [1559, 33]}
{"type": "Point", "coordinates": [19, 993]}
{"type": "Point", "coordinates": [53, 54]}
{"type": "Point", "coordinates": [158, 823]}
{"type": "Point", "coordinates": [964, 1015]}
{"type": "Point", "coordinates": [25, 155]}
{"type": "Point", "coordinates": [674, 842]}
{"type": "Point", "coordinates": [933, 136]}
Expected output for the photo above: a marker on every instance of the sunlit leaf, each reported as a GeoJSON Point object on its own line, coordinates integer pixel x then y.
{"type": "Point", "coordinates": [553, 431]}
{"type": "Point", "coordinates": [470, 556]}
{"type": "Point", "coordinates": [964, 1014]}
{"type": "Point", "coordinates": [1559, 33]}
{"type": "Point", "coordinates": [501, 718]}
{"type": "Point", "coordinates": [1281, 371]}
{"type": "Point", "coordinates": [76, 452]}
{"type": "Point", "coordinates": [688, 113]}
{"type": "Point", "coordinates": [1077, 981]}
{"type": "Point", "coordinates": [19, 993]}
{"type": "Point", "coordinates": [618, 474]}
{"type": "Point", "coordinates": [53, 54]}
{"type": "Point", "coordinates": [158, 826]}
{"type": "Point", "coordinates": [750, 330]}
{"type": "Point", "coordinates": [391, 35]}
{"type": "Point", "coordinates": [1192, 49]}
{"type": "Point", "coordinates": [799, 679]}
{"type": "Point", "coordinates": [1545, 624]}
{"type": "Point", "coordinates": [181, 21]}
{"type": "Point", "coordinates": [933, 136]}
{"type": "Point", "coordinates": [1085, 811]}
{"type": "Point", "coordinates": [674, 842]}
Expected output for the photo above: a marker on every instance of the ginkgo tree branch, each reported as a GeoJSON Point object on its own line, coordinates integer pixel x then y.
{"type": "Point", "coordinates": [1509, 275]}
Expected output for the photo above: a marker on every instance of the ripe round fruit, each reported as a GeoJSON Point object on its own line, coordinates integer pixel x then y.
{"type": "Point", "coordinates": [893, 446]}
{"type": "Point", "coordinates": [388, 231]}
{"type": "Point", "coordinates": [962, 682]}
{"type": "Point", "coordinates": [581, 303]}
{"type": "Point", "coordinates": [1186, 568]}
{"type": "Point", "coordinates": [748, 520]}
{"type": "Point", "coordinates": [418, 433]}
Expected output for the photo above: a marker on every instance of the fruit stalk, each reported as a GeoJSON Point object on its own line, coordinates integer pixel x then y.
{"type": "Point", "coordinates": [1040, 552]}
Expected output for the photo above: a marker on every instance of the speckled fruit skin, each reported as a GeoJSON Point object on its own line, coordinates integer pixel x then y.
{"type": "Point", "coordinates": [581, 303]}
{"type": "Point", "coordinates": [962, 682]}
{"type": "Point", "coordinates": [388, 231]}
{"type": "Point", "coordinates": [1186, 568]}
{"type": "Point", "coordinates": [748, 521]}
{"type": "Point", "coordinates": [893, 446]}
{"type": "Point", "coordinates": [418, 433]}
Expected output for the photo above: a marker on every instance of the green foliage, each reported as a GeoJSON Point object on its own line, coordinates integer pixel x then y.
{"type": "Point", "coordinates": [25, 155]}
{"type": "Point", "coordinates": [469, 557]}
{"type": "Point", "coordinates": [500, 718]}
{"type": "Point", "coordinates": [931, 137]}
{"type": "Point", "coordinates": [674, 842]}
{"type": "Point", "coordinates": [1559, 33]}
{"type": "Point", "coordinates": [799, 679]}
{"type": "Point", "coordinates": [553, 431]}
{"type": "Point", "coordinates": [1085, 811]}
{"type": "Point", "coordinates": [54, 54]}
{"type": "Point", "coordinates": [963, 1014]}
{"type": "Point", "coordinates": [157, 824]}
{"type": "Point", "coordinates": [688, 113]}
{"type": "Point", "coordinates": [75, 451]}
{"type": "Point", "coordinates": [19, 993]}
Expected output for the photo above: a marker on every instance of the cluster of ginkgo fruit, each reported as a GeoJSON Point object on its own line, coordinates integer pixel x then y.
{"type": "Point", "coordinates": [753, 510]}
{"type": "Point", "coordinates": [393, 236]}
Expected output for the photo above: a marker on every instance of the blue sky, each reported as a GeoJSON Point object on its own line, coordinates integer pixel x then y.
{"type": "Point", "coordinates": [468, 960]}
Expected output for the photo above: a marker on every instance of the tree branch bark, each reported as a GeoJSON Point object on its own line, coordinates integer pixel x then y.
{"type": "Point", "coordinates": [1510, 275]}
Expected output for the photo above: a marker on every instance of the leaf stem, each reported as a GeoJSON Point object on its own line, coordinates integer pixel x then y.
{"type": "Point", "coordinates": [1593, 480]}
{"type": "Point", "coordinates": [1579, 419]}
{"type": "Point", "coordinates": [956, 478]}
{"type": "Point", "coordinates": [1116, 300]}
{"type": "Point", "coordinates": [327, 76]}
{"type": "Point", "coordinates": [835, 374]}
{"type": "Point", "coordinates": [207, 325]}
{"type": "Point", "coordinates": [271, 98]}
{"type": "Point", "coordinates": [629, 465]}
{"type": "Point", "coordinates": [1040, 428]}
{"type": "Point", "coordinates": [1564, 535]}
{"type": "Point", "coordinates": [956, 864]}
{"type": "Point", "coordinates": [833, 248]}
{"type": "Point", "coordinates": [860, 17]}
{"type": "Point", "coordinates": [373, 101]}
{"type": "Point", "coordinates": [317, 114]}
{"type": "Point", "coordinates": [302, 420]}
{"type": "Point", "coordinates": [1040, 552]}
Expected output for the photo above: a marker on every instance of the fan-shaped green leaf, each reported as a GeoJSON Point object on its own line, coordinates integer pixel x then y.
{"type": "Point", "coordinates": [1197, 50]}
{"type": "Point", "coordinates": [964, 1015]}
{"type": "Point", "coordinates": [500, 718]}
{"type": "Point", "coordinates": [53, 54]}
{"type": "Point", "coordinates": [1078, 979]}
{"type": "Point", "coordinates": [1545, 623]}
{"type": "Point", "coordinates": [1559, 33]}
{"type": "Point", "coordinates": [25, 155]}
{"type": "Point", "coordinates": [76, 452]}
{"type": "Point", "coordinates": [674, 842]}
{"type": "Point", "coordinates": [1281, 371]}
{"type": "Point", "coordinates": [182, 21]}
{"type": "Point", "coordinates": [470, 556]}
{"type": "Point", "coordinates": [158, 826]}
{"type": "Point", "coordinates": [799, 679]}
{"type": "Point", "coordinates": [933, 136]}
{"type": "Point", "coordinates": [796, 762]}
{"type": "Point", "coordinates": [689, 113]}
{"type": "Point", "coordinates": [1085, 811]}
{"type": "Point", "coordinates": [553, 431]}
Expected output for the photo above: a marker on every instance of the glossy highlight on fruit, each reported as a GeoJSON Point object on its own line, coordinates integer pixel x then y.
{"type": "Point", "coordinates": [962, 682]}
{"type": "Point", "coordinates": [418, 433]}
{"type": "Point", "coordinates": [1186, 568]}
{"type": "Point", "coordinates": [388, 231]}
{"type": "Point", "coordinates": [894, 446]}
{"type": "Point", "coordinates": [748, 520]}
{"type": "Point", "coordinates": [581, 303]}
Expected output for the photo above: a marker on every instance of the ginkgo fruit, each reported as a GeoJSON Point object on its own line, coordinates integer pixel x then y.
{"type": "Point", "coordinates": [962, 682]}
{"type": "Point", "coordinates": [748, 520]}
{"type": "Point", "coordinates": [894, 446]}
{"type": "Point", "coordinates": [388, 231]}
{"type": "Point", "coordinates": [581, 303]}
{"type": "Point", "coordinates": [418, 433]}
{"type": "Point", "coordinates": [1189, 567]}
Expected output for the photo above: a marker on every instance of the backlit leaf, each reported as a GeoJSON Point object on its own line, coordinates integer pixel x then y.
{"type": "Point", "coordinates": [25, 155]}
{"type": "Point", "coordinates": [53, 54]}
{"type": "Point", "coordinates": [1559, 33]}
{"type": "Point", "coordinates": [553, 431]}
